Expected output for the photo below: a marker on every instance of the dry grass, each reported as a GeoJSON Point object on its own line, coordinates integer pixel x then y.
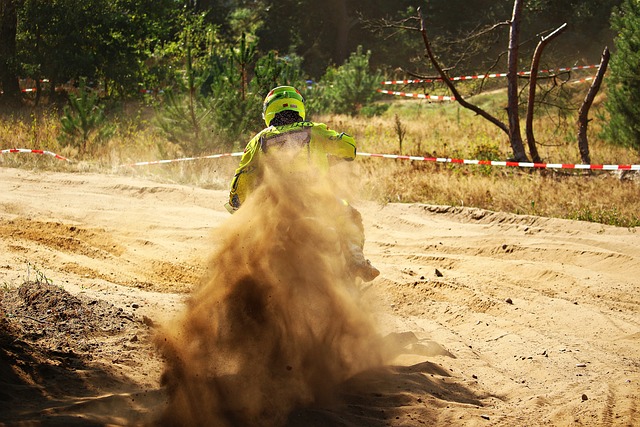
{"type": "Point", "coordinates": [433, 130]}
{"type": "Point", "coordinates": [447, 130]}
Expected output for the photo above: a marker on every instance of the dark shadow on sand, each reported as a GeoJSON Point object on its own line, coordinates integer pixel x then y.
{"type": "Point", "coordinates": [375, 397]}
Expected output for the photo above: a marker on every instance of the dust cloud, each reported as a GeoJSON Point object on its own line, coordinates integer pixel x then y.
{"type": "Point", "coordinates": [276, 323]}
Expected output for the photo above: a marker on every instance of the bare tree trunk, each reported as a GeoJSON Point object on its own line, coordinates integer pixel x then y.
{"type": "Point", "coordinates": [342, 31]}
{"type": "Point", "coordinates": [535, 64]}
{"type": "Point", "coordinates": [515, 136]}
{"type": "Point", "coordinates": [583, 113]}
{"type": "Point", "coordinates": [450, 84]}
{"type": "Point", "coordinates": [37, 74]}
{"type": "Point", "coordinates": [8, 62]}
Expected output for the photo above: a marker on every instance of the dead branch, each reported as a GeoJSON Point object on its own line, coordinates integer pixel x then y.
{"type": "Point", "coordinates": [423, 77]}
{"type": "Point", "coordinates": [481, 33]}
{"type": "Point", "coordinates": [533, 77]}
{"type": "Point", "coordinates": [446, 79]}
{"type": "Point", "coordinates": [583, 113]}
{"type": "Point", "coordinates": [385, 24]}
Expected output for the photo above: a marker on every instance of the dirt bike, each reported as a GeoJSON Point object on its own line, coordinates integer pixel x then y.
{"type": "Point", "coordinates": [276, 323]}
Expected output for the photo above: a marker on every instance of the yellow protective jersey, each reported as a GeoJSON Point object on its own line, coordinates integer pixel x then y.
{"type": "Point", "coordinates": [313, 143]}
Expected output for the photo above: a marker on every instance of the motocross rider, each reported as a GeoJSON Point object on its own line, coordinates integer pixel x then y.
{"type": "Point", "coordinates": [284, 114]}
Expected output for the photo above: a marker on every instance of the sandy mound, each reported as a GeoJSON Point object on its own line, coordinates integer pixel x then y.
{"type": "Point", "coordinates": [57, 346]}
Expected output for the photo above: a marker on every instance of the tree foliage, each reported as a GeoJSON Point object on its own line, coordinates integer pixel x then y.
{"type": "Point", "coordinates": [236, 50]}
{"type": "Point", "coordinates": [623, 100]}
{"type": "Point", "coordinates": [125, 42]}
{"type": "Point", "coordinates": [98, 39]}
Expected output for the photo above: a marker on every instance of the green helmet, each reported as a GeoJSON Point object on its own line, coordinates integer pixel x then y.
{"type": "Point", "coordinates": [282, 98]}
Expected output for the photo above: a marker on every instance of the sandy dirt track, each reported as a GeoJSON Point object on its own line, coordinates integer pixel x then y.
{"type": "Point", "coordinates": [503, 319]}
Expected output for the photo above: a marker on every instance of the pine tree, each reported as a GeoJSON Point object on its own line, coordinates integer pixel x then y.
{"type": "Point", "coordinates": [623, 93]}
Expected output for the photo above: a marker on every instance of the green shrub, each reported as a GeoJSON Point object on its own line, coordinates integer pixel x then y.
{"type": "Point", "coordinates": [84, 122]}
{"type": "Point", "coordinates": [187, 120]}
{"type": "Point", "coordinates": [608, 216]}
{"type": "Point", "coordinates": [350, 88]}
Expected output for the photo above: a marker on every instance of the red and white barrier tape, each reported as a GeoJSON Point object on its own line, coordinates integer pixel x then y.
{"type": "Point", "coordinates": [384, 156]}
{"type": "Point", "coordinates": [418, 95]}
{"type": "Point", "coordinates": [487, 76]}
{"type": "Point", "coordinates": [433, 159]}
{"type": "Point", "coordinates": [587, 79]}
{"type": "Point", "coordinates": [183, 159]}
{"type": "Point", "coordinates": [507, 163]}
{"type": "Point", "coordinates": [26, 150]}
{"type": "Point", "coordinates": [452, 98]}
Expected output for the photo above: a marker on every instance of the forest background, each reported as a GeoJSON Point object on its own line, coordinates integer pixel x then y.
{"type": "Point", "coordinates": [107, 83]}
